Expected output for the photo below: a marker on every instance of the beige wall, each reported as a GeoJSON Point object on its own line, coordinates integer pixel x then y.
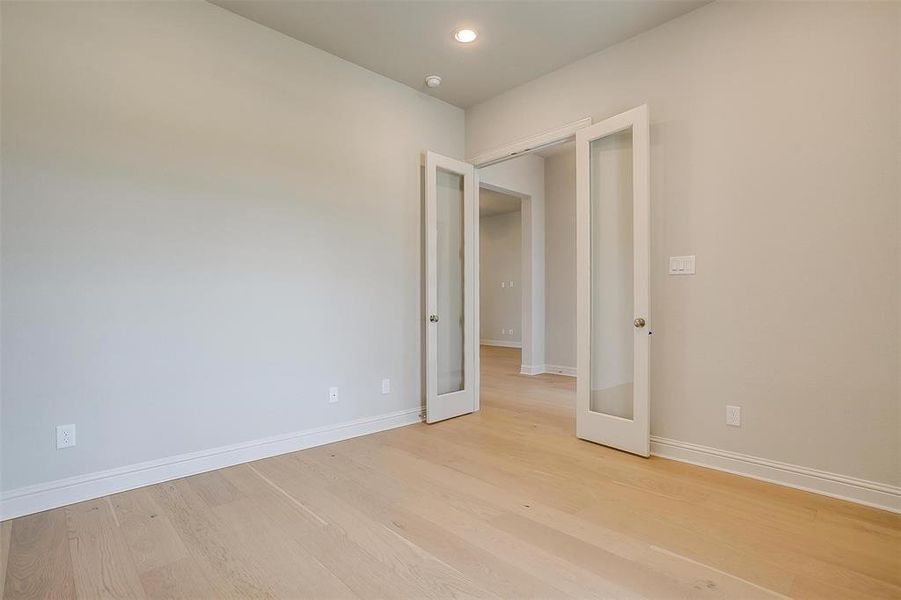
{"type": "Point", "coordinates": [205, 224]}
{"type": "Point", "coordinates": [560, 258]}
{"type": "Point", "coordinates": [775, 141]}
{"type": "Point", "coordinates": [500, 259]}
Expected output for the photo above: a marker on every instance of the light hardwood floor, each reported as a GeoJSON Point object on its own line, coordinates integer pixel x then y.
{"type": "Point", "coordinates": [505, 503]}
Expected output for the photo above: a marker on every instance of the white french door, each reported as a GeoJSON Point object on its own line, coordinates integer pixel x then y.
{"type": "Point", "coordinates": [612, 281]}
{"type": "Point", "coordinates": [450, 240]}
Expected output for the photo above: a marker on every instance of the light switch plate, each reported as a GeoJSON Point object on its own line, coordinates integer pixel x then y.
{"type": "Point", "coordinates": [332, 394]}
{"type": "Point", "coordinates": [386, 386]}
{"type": "Point", "coordinates": [682, 265]}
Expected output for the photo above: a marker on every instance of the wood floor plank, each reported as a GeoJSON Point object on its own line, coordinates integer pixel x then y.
{"type": "Point", "coordinates": [151, 538]}
{"type": "Point", "coordinates": [221, 559]}
{"type": "Point", "coordinates": [182, 579]}
{"type": "Point", "coordinates": [214, 488]}
{"type": "Point", "coordinates": [5, 535]}
{"type": "Point", "coordinates": [39, 563]}
{"type": "Point", "coordinates": [647, 579]}
{"type": "Point", "coordinates": [388, 508]}
{"type": "Point", "coordinates": [573, 580]}
{"type": "Point", "coordinates": [273, 528]}
{"type": "Point", "coordinates": [101, 561]}
{"type": "Point", "coordinates": [503, 503]}
{"type": "Point", "coordinates": [426, 574]}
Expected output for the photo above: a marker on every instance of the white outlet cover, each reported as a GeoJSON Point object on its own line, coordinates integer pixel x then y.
{"type": "Point", "coordinates": [65, 436]}
{"type": "Point", "coordinates": [733, 416]}
{"type": "Point", "coordinates": [511, 331]}
{"type": "Point", "coordinates": [332, 394]}
{"type": "Point", "coordinates": [386, 386]}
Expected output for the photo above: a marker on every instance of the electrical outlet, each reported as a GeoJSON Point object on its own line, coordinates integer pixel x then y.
{"type": "Point", "coordinates": [65, 436]}
{"type": "Point", "coordinates": [510, 331]}
{"type": "Point", "coordinates": [386, 386]}
{"type": "Point", "coordinates": [512, 284]}
{"type": "Point", "coordinates": [503, 331]}
{"type": "Point", "coordinates": [332, 395]}
{"type": "Point", "coordinates": [733, 416]}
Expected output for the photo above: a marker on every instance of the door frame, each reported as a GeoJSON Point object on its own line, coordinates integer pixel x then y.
{"type": "Point", "coordinates": [527, 145]}
{"type": "Point", "coordinates": [525, 265]}
{"type": "Point", "coordinates": [530, 144]}
{"type": "Point", "coordinates": [523, 146]}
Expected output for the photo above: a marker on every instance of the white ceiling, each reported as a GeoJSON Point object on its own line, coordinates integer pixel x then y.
{"type": "Point", "coordinates": [409, 39]}
{"type": "Point", "coordinates": [496, 203]}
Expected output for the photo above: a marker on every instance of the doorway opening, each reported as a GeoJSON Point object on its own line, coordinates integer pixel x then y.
{"type": "Point", "coordinates": [610, 261]}
{"type": "Point", "coordinates": [527, 279]}
{"type": "Point", "coordinates": [500, 269]}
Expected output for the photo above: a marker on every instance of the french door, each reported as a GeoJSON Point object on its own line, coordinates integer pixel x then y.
{"type": "Point", "coordinates": [612, 282]}
{"type": "Point", "coordinates": [451, 308]}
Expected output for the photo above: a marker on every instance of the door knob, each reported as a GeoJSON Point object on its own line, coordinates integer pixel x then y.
{"type": "Point", "coordinates": [433, 318]}
{"type": "Point", "coordinates": [639, 322]}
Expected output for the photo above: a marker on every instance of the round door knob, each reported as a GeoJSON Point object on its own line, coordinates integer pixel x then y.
{"type": "Point", "coordinates": [639, 322]}
{"type": "Point", "coordinates": [433, 318]}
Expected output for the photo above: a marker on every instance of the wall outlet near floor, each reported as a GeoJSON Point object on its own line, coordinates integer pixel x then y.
{"type": "Point", "coordinates": [386, 386]}
{"type": "Point", "coordinates": [65, 436]}
{"type": "Point", "coordinates": [510, 331]}
{"type": "Point", "coordinates": [332, 395]}
{"type": "Point", "coordinates": [733, 416]}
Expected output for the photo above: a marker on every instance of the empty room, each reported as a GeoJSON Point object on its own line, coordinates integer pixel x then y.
{"type": "Point", "coordinates": [437, 299]}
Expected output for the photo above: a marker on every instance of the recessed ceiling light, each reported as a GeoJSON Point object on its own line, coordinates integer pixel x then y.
{"type": "Point", "coordinates": [465, 36]}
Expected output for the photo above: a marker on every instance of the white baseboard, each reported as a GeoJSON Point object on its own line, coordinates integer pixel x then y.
{"type": "Point", "coordinates": [552, 369]}
{"type": "Point", "coordinates": [501, 343]}
{"type": "Point", "coordinates": [870, 493]}
{"type": "Point", "coordinates": [36, 498]}
{"type": "Point", "coordinates": [560, 370]}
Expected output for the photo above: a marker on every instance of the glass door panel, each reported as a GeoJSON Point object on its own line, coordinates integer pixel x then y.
{"type": "Point", "coordinates": [451, 310]}
{"type": "Point", "coordinates": [612, 299]}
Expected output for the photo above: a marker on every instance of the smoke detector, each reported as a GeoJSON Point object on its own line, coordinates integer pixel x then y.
{"type": "Point", "coordinates": [433, 81]}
